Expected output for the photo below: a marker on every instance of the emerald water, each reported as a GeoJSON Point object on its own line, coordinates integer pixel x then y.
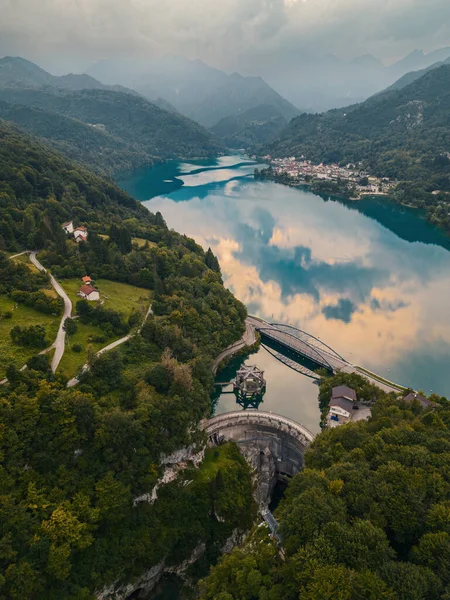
{"type": "Point", "coordinates": [370, 278]}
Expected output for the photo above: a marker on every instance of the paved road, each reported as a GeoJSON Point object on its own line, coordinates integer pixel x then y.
{"type": "Point", "coordinates": [248, 339]}
{"type": "Point", "coordinates": [60, 342]}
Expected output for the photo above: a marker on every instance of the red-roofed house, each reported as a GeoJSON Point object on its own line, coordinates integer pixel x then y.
{"type": "Point", "coordinates": [89, 293]}
{"type": "Point", "coordinates": [86, 279]}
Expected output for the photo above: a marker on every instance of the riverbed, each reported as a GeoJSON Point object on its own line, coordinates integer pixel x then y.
{"type": "Point", "coordinates": [370, 278]}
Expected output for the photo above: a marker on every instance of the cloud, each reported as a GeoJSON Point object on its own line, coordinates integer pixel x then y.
{"type": "Point", "coordinates": [230, 33]}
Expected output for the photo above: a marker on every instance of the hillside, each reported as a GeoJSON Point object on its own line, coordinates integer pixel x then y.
{"type": "Point", "coordinates": [195, 89]}
{"type": "Point", "coordinates": [109, 129]}
{"type": "Point", "coordinates": [254, 126]}
{"type": "Point", "coordinates": [73, 460]}
{"type": "Point", "coordinates": [77, 140]}
{"type": "Point", "coordinates": [402, 134]}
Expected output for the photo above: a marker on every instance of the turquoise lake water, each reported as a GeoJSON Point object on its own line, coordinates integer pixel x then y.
{"type": "Point", "coordinates": [370, 278]}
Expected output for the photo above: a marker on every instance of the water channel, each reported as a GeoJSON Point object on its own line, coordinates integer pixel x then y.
{"type": "Point", "coordinates": [370, 278]}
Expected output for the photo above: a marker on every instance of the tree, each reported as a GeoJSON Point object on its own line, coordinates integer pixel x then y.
{"type": "Point", "coordinates": [70, 326]}
{"type": "Point", "coordinates": [211, 261]}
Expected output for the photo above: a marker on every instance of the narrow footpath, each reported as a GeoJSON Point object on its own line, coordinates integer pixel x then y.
{"type": "Point", "coordinates": [75, 381]}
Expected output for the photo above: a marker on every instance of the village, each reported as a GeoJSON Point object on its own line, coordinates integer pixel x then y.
{"type": "Point", "coordinates": [302, 171]}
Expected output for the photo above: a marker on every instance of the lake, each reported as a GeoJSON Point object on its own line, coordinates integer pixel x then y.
{"type": "Point", "coordinates": [370, 278]}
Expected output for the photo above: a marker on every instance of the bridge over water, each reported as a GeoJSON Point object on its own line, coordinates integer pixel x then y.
{"type": "Point", "coordinates": [315, 351]}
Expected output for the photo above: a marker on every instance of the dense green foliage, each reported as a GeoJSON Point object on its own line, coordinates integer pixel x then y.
{"type": "Point", "coordinates": [32, 336]}
{"type": "Point", "coordinates": [257, 125]}
{"type": "Point", "coordinates": [367, 519]}
{"type": "Point", "coordinates": [403, 134]}
{"type": "Point", "coordinates": [73, 460]}
{"type": "Point", "coordinates": [106, 127]}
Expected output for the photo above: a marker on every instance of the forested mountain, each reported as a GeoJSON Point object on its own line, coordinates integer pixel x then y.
{"type": "Point", "coordinates": [195, 89]}
{"type": "Point", "coordinates": [255, 126]}
{"type": "Point", "coordinates": [79, 141]}
{"type": "Point", "coordinates": [403, 134]}
{"type": "Point", "coordinates": [110, 129]}
{"type": "Point", "coordinates": [73, 460]}
{"type": "Point", "coordinates": [368, 518]}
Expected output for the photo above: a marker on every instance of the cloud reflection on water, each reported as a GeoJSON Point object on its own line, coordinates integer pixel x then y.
{"type": "Point", "coordinates": [292, 257]}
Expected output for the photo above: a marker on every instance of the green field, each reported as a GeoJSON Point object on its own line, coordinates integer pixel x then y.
{"type": "Point", "coordinates": [118, 296]}
{"type": "Point", "coordinates": [72, 361]}
{"type": "Point", "coordinates": [23, 316]}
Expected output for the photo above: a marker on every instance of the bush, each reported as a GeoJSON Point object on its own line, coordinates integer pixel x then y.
{"type": "Point", "coordinates": [33, 336]}
{"type": "Point", "coordinates": [77, 348]}
{"type": "Point", "coordinates": [41, 362]}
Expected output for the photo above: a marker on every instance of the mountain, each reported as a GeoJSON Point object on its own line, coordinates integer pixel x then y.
{"type": "Point", "coordinates": [255, 126]}
{"type": "Point", "coordinates": [17, 71]}
{"type": "Point", "coordinates": [413, 75]}
{"type": "Point", "coordinates": [195, 89]}
{"type": "Point", "coordinates": [402, 134]}
{"type": "Point", "coordinates": [418, 60]}
{"type": "Point", "coordinates": [77, 140]}
{"type": "Point", "coordinates": [318, 83]}
{"type": "Point", "coordinates": [104, 127]}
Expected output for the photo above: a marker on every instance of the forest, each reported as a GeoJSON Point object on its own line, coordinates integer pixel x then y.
{"type": "Point", "coordinates": [110, 131]}
{"type": "Point", "coordinates": [73, 460]}
{"type": "Point", "coordinates": [367, 519]}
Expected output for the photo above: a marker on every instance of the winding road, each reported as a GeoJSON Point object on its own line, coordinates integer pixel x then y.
{"type": "Point", "coordinates": [60, 341]}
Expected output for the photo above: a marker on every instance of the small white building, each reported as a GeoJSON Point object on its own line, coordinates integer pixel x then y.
{"type": "Point", "coordinates": [80, 234]}
{"type": "Point", "coordinates": [89, 293]}
{"type": "Point", "coordinates": [68, 227]}
{"type": "Point", "coordinates": [340, 413]}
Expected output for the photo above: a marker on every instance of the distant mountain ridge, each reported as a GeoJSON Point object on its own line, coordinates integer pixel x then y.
{"type": "Point", "coordinates": [17, 71]}
{"type": "Point", "coordinates": [101, 125]}
{"type": "Point", "coordinates": [195, 89]}
{"type": "Point", "coordinates": [318, 83]}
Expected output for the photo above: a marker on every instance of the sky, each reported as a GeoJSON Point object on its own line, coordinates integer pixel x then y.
{"type": "Point", "coordinates": [230, 34]}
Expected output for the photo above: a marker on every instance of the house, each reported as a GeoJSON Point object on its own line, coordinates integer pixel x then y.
{"type": "Point", "coordinates": [424, 402]}
{"type": "Point", "coordinates": [80, 234]}
{"type": "Point", "coordinates": [86, 279]}
{"type": "Point", "coordinates": [343, 391]}
{"type": "Point", "coordinates": [89, 293]}
{"type": "Point", "coordinates": [341, 412]}
{"type": "Point", "coordinates": [68, 227]}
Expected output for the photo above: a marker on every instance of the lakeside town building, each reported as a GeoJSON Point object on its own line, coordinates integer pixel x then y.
{"type": "Point", "coordinates": [304, 171]}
